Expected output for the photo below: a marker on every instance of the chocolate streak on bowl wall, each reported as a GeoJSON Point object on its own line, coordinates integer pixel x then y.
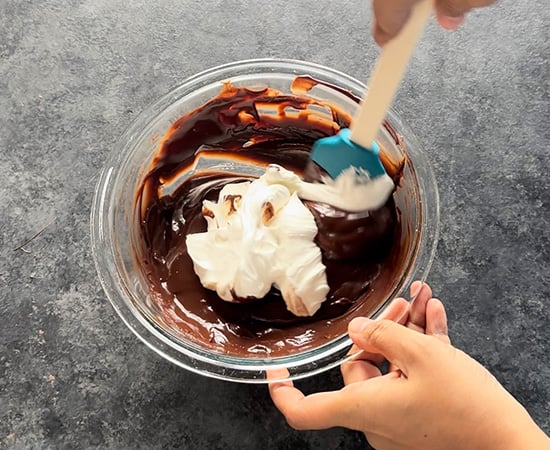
{"type": "Point", "coordinates": [363, 252]}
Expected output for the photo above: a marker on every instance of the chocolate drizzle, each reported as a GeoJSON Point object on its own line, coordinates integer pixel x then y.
{"type": "Point", "coordinates": [361, 251]}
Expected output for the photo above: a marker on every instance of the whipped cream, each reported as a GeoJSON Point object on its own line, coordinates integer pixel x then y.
{"type": "Point", "coordinates": [260, 235]}
{"type": "Point", "coordinates": [353, 190]}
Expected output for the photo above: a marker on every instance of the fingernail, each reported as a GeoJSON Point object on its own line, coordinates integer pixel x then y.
{"type": "Point", "coordinates": [416, 288]}
{"type": "Point", "coordinates": [358, 324]}
{"type": "Point", "coordinates": [450, 22]}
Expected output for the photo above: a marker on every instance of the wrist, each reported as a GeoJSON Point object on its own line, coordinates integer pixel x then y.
{"type": "Point", "coordinates": [521, 433]}
{"type": "Point", "coordinates": [531, 438]}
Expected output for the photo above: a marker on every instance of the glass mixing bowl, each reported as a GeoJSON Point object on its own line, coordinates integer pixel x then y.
{"type": "Point", "coordinates": [113, 219]}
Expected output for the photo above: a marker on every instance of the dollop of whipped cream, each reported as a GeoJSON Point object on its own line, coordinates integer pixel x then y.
{"type": "Point", "coordinates": [353, 190]}
{"type": "Point", "coordinates": [260, 235]}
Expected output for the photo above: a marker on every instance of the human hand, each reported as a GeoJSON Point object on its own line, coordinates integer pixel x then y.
{"type": "Point", "coordinates": [391, 15]}
{"type": "Point", "coordinates": [425, 315]}
{"type": "Point", "coordinates": [435, 396]}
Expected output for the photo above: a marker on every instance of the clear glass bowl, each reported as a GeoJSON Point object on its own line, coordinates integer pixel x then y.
{"type": "Point", "coordinates": [113, 220]}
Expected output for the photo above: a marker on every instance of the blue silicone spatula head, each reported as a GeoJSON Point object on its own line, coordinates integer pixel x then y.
{"type": "Point", "coordinates": [337, 153]}
{"type": "Point", "coordinates": [357, 148]}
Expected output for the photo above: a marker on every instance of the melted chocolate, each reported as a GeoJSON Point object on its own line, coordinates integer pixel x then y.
{"type": "Point", "coordinates": [361, 251]}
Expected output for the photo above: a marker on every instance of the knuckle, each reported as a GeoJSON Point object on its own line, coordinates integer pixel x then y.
{"type": "Point", "coordinates": [376, 334]}
{"type": "Point", "coordinates": [381, 329]}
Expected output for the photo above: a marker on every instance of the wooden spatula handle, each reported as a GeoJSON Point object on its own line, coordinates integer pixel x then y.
{"type": "Point", "coordinates": [387, 74]}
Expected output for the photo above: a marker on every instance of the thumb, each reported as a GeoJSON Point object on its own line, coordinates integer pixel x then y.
{"type": "Point", "coordinates": [390, 16]}
{"type": "Point", "coordinates": [398, 344]}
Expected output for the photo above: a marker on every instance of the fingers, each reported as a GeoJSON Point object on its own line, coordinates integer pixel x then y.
{"type": "Point", "coordinates": [355, 406]}
{"type": "Point", "coordinates": [420, 294]}
{"type": "Point", "coordinates": [366, 364]}
{"type": "Point", "coordinates": [295, 405]}
{"type": "Point", "coordinates": [416, 286]}
{"type": "Point", "coordinates": [427, 315]}
{"type": "Point", "coordinates": [316, 411]}
{"type": "Point", "coordinates": [358, 370]}
{"type": "Point", "coordinates": [436, 320]}
{"type": "Point", "coordinates": [398, 344]}
{"type": "Point", "coordinates": [278, 374]}
{"type": "Point", "coordinates": [396, 310]}
{"type": "Point", "coordinates": [390, 16]}
{"type": "Point", "coordinates": [457, 8]}
{"type": "Point", "coordinates": [301, 412]}
{"type": "Point", "coordinates": [448, 22]}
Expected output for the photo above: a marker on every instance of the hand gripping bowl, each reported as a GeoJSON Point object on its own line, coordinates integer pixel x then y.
{"type": "Point", "coordinates": [115, 222]}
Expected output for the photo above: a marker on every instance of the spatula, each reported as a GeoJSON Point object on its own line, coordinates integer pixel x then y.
{"type": "Point", "coordinates": [356, 146]}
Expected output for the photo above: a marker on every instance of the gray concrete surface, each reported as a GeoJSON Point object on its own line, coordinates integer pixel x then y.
{"type": "Point", "coordinates": [74, 74]}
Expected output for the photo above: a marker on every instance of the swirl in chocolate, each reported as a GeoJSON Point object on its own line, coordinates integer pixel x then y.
{"type": "Point", "coordinates": [362, 252]}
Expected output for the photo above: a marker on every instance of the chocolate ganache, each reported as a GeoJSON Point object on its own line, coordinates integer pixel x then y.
{"type": "Point", "coordinates": [362, 252]}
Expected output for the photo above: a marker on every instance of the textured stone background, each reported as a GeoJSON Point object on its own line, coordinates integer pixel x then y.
{"type": "Point", "coordinates": [74, 74]}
